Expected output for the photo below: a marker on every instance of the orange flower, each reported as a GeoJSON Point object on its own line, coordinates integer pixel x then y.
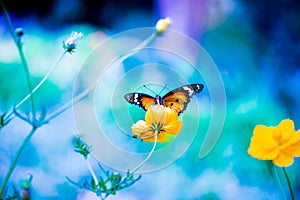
{"type": "Point", "coordinates": [159, 119]}
{"type": "Point", "coordinates": [279, 144]}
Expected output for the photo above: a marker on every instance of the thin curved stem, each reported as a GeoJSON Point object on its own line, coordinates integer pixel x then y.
{"type": "Point", "coordinates": [92, 86]}
{"type": "Point", "coordinates": [29, 86]}
{"type": "Point", "coordinates": [37, 86]}
{"type": "Point", "coordinates": [92, 171]}
{"type": "Point", "coordinates": [139, 47]}
{"type": "Point", "coordinates": [22, 57]}
{"type": "Point", "coordinates": [67, 105]}
{"type": "Point", "coordinates": [289, 183]}
{"type": "Point", "coordinates": [279, 182]}
{"type": "Point", "coordinates": [8, 21]}
{"type": "Point", "coordinates": [149, 155]}
{"type": "Point", "coordinates": [15, 160]}
{"type": "Point", "coordinates": [42, 81]}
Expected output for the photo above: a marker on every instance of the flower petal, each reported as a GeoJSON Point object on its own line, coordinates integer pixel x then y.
{"type": "Point", "coordinates": [284, 131]}
{"type": "Point", "coordinates": [293, 139]}
{"type": "Point", "coordinates": [263, 134]}
{"type": "Point", "coordinates": [283, 160]}
{"type": "Point", "coordinates": [286, 125]}
{"type": "Point", "coordinates": [173, 127]}
{"type": "Point", "coordinates": [172, 115]}
{"type": "Point", "coordinates": [156, 114]}
{"type": "Point", "coordinates": [141, 130]}
{"type": "Point", "coordinates": [262, 153]}
{"type": "Point", "coordinates": [158, 118]}
{"type": "Point", "coordinates": [262, 144]}
{"type": "Point", "coordinates": [293, 150]}
{"type": "Point", "coordinates": [161, 137]}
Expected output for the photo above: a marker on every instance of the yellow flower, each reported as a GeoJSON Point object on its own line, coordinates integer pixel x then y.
{"type": "Point", "coordinates": [159, 119]}
{"type": "Point", "coordinates": [162, 25]}
{"type": "Point", "coordinates": [279, 144]}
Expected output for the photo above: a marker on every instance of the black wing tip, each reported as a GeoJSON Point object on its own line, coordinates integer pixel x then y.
{"type": "Point", "coordinates": [199, 87]}
{"type": "Point", "coordinates": [127, 96]}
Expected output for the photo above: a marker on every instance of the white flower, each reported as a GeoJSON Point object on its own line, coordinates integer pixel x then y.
{"type": "Point", "coordinates": [70, 44]}
{"type": "Point", "coordinates": [162, 25]}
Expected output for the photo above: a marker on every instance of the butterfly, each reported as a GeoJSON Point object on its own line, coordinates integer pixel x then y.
{"type": "Point", "coordinates": [176, 99]}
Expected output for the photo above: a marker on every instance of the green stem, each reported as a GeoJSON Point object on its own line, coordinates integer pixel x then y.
{"type": "Point", "coordinates": [22, 57]}
{"type": "Point", "coordinates": [8, 21]}
{"type": "Point", "coordinates": [279, 182]}
{"type": "Point", "coordinates": [37, 86]}
{"type": "Point", "coordinates": [289, 183]}
{"type": "Point", "coordinates": [92, 172]}
{"type": "Point", "coordinates": [42, 81]}
{"type": "Point", "coordinates": [15, 160]}
{"type": "Point", "coordinates": [149, 155]}
{"type": "Point", "coordinates": [29, 86]}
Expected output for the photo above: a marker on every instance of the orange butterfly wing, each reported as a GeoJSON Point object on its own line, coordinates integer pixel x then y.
{"type": "Point", "coordinates": [142, 100]}
{"type": "Point", "coordinates": [179, 98]}
{"type": "Point", "coordinates": [176, 99]}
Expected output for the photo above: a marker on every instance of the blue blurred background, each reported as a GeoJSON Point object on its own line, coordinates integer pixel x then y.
{"type": "Point", "coordinates": [255, 44]}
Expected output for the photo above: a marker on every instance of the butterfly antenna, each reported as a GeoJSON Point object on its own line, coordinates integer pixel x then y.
{"type": "Point", "coordinates": [149, 89]}
{"type": "Point", "coordinates": [162, 89]}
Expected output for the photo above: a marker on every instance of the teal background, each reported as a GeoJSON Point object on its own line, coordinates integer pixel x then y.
{"type": "Point", "coordinates": [254, 44]}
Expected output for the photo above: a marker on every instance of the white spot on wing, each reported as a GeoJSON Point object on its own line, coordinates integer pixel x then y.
{"type": "Point", "coordinates": [135, 98]}
{"type": "Point", "coordinates": [190, 91]}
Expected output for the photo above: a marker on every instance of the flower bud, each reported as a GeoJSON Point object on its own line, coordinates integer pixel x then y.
{"type": "Point", "coordinates": [70, 44]}
{"type": "Point", "coordinates": [162, 25]}
{"type": "Point", "coordinates": [19, 32]}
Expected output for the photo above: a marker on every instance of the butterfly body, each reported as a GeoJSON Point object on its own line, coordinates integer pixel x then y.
{"type": "Point", "coordinates": [159, 100]}
{"type": "Point", "coordinates": [176, 99]}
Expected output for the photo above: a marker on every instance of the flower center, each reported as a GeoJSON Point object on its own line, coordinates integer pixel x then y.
{"type": "Point", "coordinates": [157, 127]}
